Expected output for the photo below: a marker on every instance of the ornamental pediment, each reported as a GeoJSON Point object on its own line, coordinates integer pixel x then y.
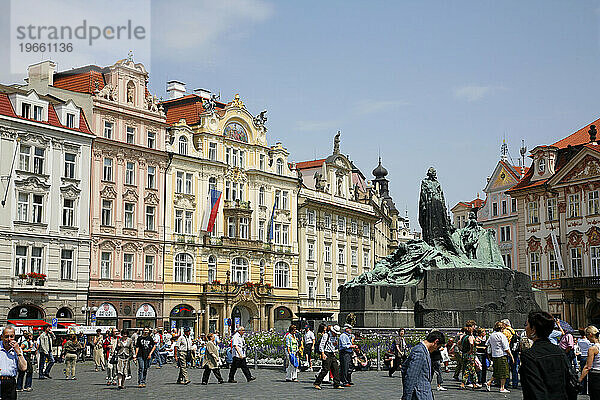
{"type": "Point", "coordinates": [588, 168]}
{"type": "Point", "coordinates": [151, 198]}
{"type": "Point", "coordinates": [70, 191]}
{"type": "Point", "coordinates": [235, 174]}
{"type": "Point", "coordinates": [186, 201]}
{"type": "Point", "coordinates": [131, 195]}
{"type": "Point", "coordinates": [32, 183]}
{"type": "Point", "coordinates": [108, 192]}
{"type": "Point", "coordinates": [32, 139]}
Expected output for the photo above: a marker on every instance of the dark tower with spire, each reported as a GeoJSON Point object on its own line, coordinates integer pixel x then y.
{"type": "Point", "coordinates": [381, 182]}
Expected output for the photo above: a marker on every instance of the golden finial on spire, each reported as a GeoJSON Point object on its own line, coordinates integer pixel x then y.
{"type": "Point", "coordinates": [237, 102]}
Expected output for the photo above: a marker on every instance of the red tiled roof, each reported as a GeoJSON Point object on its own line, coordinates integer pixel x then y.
{"type": "Point", "coordinates": [188, 107]}
{"type": "Point", "coordinates": [310, 164]}
{"type": "Point", "coordinates": [6, 106]}
{"type": "Point", "coordinates": [580, 137]}
{"type": "Point", "coordinates": [84, 82]}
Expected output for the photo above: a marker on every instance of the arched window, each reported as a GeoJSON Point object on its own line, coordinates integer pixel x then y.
{"type": "Point", "coordinates": [261, 196]}
{"type": "Point", "coordinates": [212, 268]}
{"type": "Point", "coordinates": [239, 270]}
{"type": "Point", "coordinates": [183, 145]}
{"type": "Point", "coordinates": [212, 183]}
{"type": "Point", "coordinates": [64, 313]}
{"type": "Point", "coordinates": [282, 275]}
{"type": "Point", "coordinates": [183, 267]}
{"type": "Point", "coordinates": [279, 166]}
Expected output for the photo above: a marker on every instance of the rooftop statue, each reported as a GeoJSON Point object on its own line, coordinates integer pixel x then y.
{"type": "Point", "coordinates": [443, 246]}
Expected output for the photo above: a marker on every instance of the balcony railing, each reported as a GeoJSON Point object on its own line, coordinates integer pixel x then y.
{"type": "Point", "coordinates": [246, 244]}
{"type": "Point", "coordinates": [244, 205]}
{"type": "Point", "coordinates": [588, 282]}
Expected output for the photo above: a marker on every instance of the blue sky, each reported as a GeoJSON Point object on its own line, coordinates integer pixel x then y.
{"type": "Point", "coordinates": [424, 83]}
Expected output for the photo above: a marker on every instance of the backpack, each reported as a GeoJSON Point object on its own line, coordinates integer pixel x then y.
{"type": "Point", "coordinates": [515, 343]}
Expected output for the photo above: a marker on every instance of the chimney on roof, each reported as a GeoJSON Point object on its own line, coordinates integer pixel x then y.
{"type": "Point", "coordinates": [41, 75]}
{"type": "Point", "coordinates": [175, 89]}
{"type": "Point", "coordinates": [202, 93]}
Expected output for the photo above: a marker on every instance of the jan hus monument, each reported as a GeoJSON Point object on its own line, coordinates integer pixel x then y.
{"type": "Point", "coordinates": [448, 277]}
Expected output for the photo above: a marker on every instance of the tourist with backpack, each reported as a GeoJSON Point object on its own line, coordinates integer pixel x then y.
{"type": "Point", "coordinates": [514, 344]}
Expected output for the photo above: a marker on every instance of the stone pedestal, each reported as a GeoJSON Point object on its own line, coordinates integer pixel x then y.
{"type": "Point", "coordinates": [444, 298]}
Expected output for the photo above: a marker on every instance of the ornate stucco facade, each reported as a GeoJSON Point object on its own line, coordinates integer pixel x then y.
{"type": "Point", "coordinates": [235, 273]}
{"type": "Point", "coordinates": [44, 239]}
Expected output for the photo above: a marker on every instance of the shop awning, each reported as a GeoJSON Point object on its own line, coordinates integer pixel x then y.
{"type": "Point", "coordinates": [67, 324]}
{"type": "Point", "coordinates": [28, 322]}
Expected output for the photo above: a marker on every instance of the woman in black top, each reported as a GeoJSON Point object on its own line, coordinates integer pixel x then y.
{"type": "Point", "coordinates": [481, 353]}
{"type": "Point", "coordinates": [545, 370]}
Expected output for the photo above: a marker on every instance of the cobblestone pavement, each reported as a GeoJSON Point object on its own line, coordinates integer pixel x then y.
{"type": "Point", "coordinates": [270, 384]}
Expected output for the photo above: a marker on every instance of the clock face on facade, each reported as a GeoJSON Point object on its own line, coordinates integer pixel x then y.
{"type": "Point", "coordinates": [236, 131]}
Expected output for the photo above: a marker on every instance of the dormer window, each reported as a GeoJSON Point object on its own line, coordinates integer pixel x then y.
{"type": "Point", "coordinates": [183, 145]}
{"type": "Point", "coordinates": [38, 113]}
{"type": "Point", "coordinates": [70, 120]}
{"type": "Point", "coordinates": [279, 166]}
{"type": "Point", "coordinates": [542, 166]}
{"type": "Point", "coordinates": [25, 110]}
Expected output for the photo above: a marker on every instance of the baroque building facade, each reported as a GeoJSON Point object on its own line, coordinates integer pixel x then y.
{"type": "Point", "coordinates": [336, 227]}
{"type": "Point", "coordinates": [558, 217]}
{"type": "Point", "coordinates": [245, 271]}
{"type": "Point", "coordinates": [127, 186]}
{"type": "Point", "coordinates": [45, 148]}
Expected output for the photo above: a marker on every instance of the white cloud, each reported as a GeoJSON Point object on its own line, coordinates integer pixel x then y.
{"type": "Point", "coordinates": [365, 107]}
{"type": "Point", "coordinates": [475, 93]}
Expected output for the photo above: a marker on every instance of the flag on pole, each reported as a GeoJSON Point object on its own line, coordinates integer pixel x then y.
{"type": "Point", "coordinates": [270, 235]}
{"type": "Point", "coordinates": [212, 207]}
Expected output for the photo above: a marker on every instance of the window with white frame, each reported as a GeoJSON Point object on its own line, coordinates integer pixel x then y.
{"type": "Point", "coordinates": [328, 289]}
{"type": "Point", "coordinates": [212, 183]}
{"type": "Point", "coordinates": [494, 209]}
{"type": "Point", "coordinates": [23, 206]}
{"type": "Point", "coordinates": [285, 234]}
{"type": "Point", "coordinates": [310, 217]}
{"type": "Point", "coordinates": [244, 225]}
{"type": "Point", "coordinates": [66, 264]}
{"type": "Point", "coordinates": [189, 222]}
{"type": "Point", "coordinates": [20, 260]}
{"type": "Point", "coordinates": [551, 213]}
{"type": "Point", "coordinates": [366, 258]}
{"type": "Point", "coordinates": [151, 140]}
{"type": "Point", "coordinates": [151, 177]}
{"type": "Point", "coordinates": [576, 262]}
{"type": "Point", "coordinates": [327, 221]}
{"type": "Point", "coordinates": [228, 155]}
{"type": "Point", "coordinates": [507, 260]}
{"type": "Point", "coordinates": [234, 157]}
{"type": "Point", "coordinates": [212, 268]}
{"type": "Point", "coordinates": [366, 230]}
{"type": "Point", "coordinates": [574, 206]}
{"type": "Point", "coordinates": [108, 129]}
{"type": "Point", "coordinates": [513, 205]}
{"type": "Point", "coordinates": [593, 203]}
{"type": "Point", "coordinates": [277, 199]}
{"type": "Point", "coordinates": [532, 212]}
{"type": "Point", "coordinates": [70, 165]}
{"type": "Point", "coordinates": [212, 151]}
{"type": "Point", "coordinates": [68, 212]}
{"type": "Point", "coordinates": [261, 196]}
{"type": "Point", "coordinates": [310, 247]}
{"type": "Point", "coordinates": [38, 208]}
{"type": "Point", "coordinates": [282, 275]}
{"type": "Point", "coordinates": [284, 200]}
{"type": "Point", "coordinates": [227, 190]}
{"type": "Point", "coordinates": [261, 230]}
{"type": "Point", "coordinates": [261, 162]}
{"type": "Point", "coordinates": [184, 264]}
{"type": "Point", "coordinates": [105, 265]}
{"type": "Point", "coordinates": [504, 209]}
{"type": "Point", "coordinates": [24, 157]}
{"type": "Point", "coordinates": [179, 182]}
{"type": "Point", "coordinates": [595, 260]}
{"type": "Point", "coordinates": [179, 221]}
{"type": "Point", "coordinates": [149, 268]}
{"type": "Point", "coordinates": [38, 115]}
{"type": "Point", "coordinates": [231, 227]}
{"type": "Point", "coordinates": [242, 159]}
{"type": "Point", "coordinates": [36, 260]}
{"type": "Point", "coordinates": [25, 110]}
{"type": "Point", "coordinates": [327, 253]}
{"type": "Point", "coordinates": [239, 270]}
{"type": "Point", "coordinates": [341, 255]}
{"type": "Point", "coordinates": [341, 222]}
{"type": "Point", "coordinates": [505, 233]}
{"type": "Point", "coordinates": [534, 266]}
{"type": "Point", "coordinates": [354, 257]}
{"type": "Point", "coordinates": [38, 160]}
{"type": "Point", "coordinates": [553, 265]}
{"type": "Point", "coordinates": [150, 214]}
{"type": "Point", "coordinates": [127, 266]}
{"type": "Point", "coordinates": [279, 166]}
{"type": "Point", "coordinates": [130, 135]}
{"type": "Point", "coordinates": [183, 145]}
{"type": "Point", "coordinates": [129, 215]}
{"type": "Point", "coordinates": [277, 235]}
{"type": "Point", "coordinates": [130, 173]}
{"type": "Point", "coordinates": [353, 227]}
{"type": "Point", "coordinates": [311, 286]}
{"type": "Point", "coordinates": [107, 170]}
{"type": "Point", "coordinates": [106, 213]}
{"type": "Point", "coordinates": [188, 183]}
{"type": "Point", "coordinates": [30, 207]}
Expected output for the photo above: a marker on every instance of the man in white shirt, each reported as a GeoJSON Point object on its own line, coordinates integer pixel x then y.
{"type": "Point", "coordinates": [309, 340]}
{"type": "Point", "coordinates": [183, 352]}
{"type": "Point", "coordinates": [238, 348]}
{"type": "Point", "coordinates": [500, 351]}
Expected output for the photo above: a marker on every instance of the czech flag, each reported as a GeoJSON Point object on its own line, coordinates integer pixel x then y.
{"type": "Point", "coordinates": [270, 233]}
{"type": "Point", "coordinates": [212, 207]}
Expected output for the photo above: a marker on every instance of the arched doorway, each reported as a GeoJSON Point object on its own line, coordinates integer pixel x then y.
{"type": "Point", "coordinates": [183, 315]}
{"type": "Point", "coordinates": [106, 315]}
{"type": "Point", "coordinates": [27, 315]}
{"type": "Point", "coordinates": [593, 313]}
{"type": "Point", "coordinates": [145, 316]}
{"type": "Point", "coordinates": [64, 314]}
{"type": "Point", "coordinates": [283, 319]}
{"type": "Point", "coordinates": [242, 316]}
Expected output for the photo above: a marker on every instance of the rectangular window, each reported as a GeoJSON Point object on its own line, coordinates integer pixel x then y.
{"type": "Point", "coordinates": [284, 200]}
{"type": "Point", "coordinates": [354, 257]}
{"type": "Point", "coordinates": [553, 265]}
{"type": "Point", "coordinates": [595, 260]}
{"type": "Point", "coordinates": [106, 213]}
{"type": "Point", "coordinates": [278, 199]}
{"type": "Point", "coordinates": [20, 260]}
{"type": "Point", "coordinates": [179, 221]}
{"type": "Point", "coordinates": [534, 265]}
{"type": "Point", "coordinates": [70, 165]}
{"type": "Point", "coordinates": [551, 213]}
{"type": "Point", "coordinates": [38, 115]}
{"type": "Point", "coordinates": [129, 215]}
{"type": "Point", "coordinates": [310, 251]}
{"type": "Point", "coordinates": [576, 262]}
{"type": "Point", "coordinates": [242, 159]}
{"type": "Point", "coordinates": [130, 173]}
{"type": "Point", "coordinates": [36, 260]}
{"type": "Point", "coordinates": [513, 205]}
{"type": "Point", "coordinates": [574, 206]}
{"type": "Point", "coordinates": [341, 224]}
{"type": "Point", "coordinates": [366, 230]}
{"type": "Point", "coordinates": [231, 227]}
{"type": "Point", "coordinates": [107, 170]}
{"type": "Point", "coordinates": [310, 217]}
{"type": "Point", "coordinates": [532, 212]}
{"type": "Point", "coordinates": [234, 157]}
{"type": "Point", "coordinates": [66, 264]}
{"type": "Point", "coordinates": [494, 209]}
{"type": "Point", "coordinates": [23, 207]}
{"type": "Point", "coordinates": [341, 255]}
{"type": "Point", "coordinates": [38, 160]}
{"type": "Point", "coordinates": [503, 207]}
{"type": "Point", "coordinates": [189, 222]}
{"type": "Point", "coordinates": [228, 156]}
{"type": "Point", "coordinates": [285, 234]}
{"type": "Point", "coordinates": [261, 162]}
{"type": "Point", "coordinates": [70, 120]}
{"type": "Point", "coordinates": [244, 228]}
{"type": "Point", "coordinates": [151, 140]}
{"type": "Point", "coordinates": [108, 129]}
{"type": "Point", "coordinates": [188, 183]}
{"type": "Point", "coordinates": [105, 265]}
{"type": "Point", "coordinates": [130, 135]}
{"type": "Point", "coordinates": [151, 177]}
{"type": "Point", "coordinates": [507, 260]}
{"type": "Point", "coordinates": [277, 233]}
{"type": "Point", "coordinates": [354, 227]}
{"type": "Point", "coordinates": [311, 288]}
{"type": "Point", "coordinates": [261, 231]}
{"type": "Point", "coordinates": [150, 211]}
{"type": "Point", "coordinates": [68, 212]}
{"type": "Point", "coordinates": [227, 190]}
{"type": "Point", "coordinates": [505, 233]}
{"type": "Point", "coordinates": [366, 258]}
{"type": "Point", "coordinates": [24, 157]}
{"type": "Point", "coordinates": [328, 289]}
{"type": "Point", "coordinates": [212, 151]}
{"type": "Point", "coordinates": [327, 221]}
{"type": "Point", "coordinates": [127, 266]}
{"type": "Point", "coordinates": [327, 253]}
{"type": "Point", "coordinates": [25, 110]}
{"type": "Point", "coordinates": [179, 185]}
{"type": "Point", "coordinates": [593, 203]}
{"type": "Point", "coordinates": [149, 268]}
{"type": "Point", "coordinates": [38, 208]}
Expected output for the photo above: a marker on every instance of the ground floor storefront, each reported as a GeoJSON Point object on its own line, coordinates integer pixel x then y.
{"type": "Point", "coordinates": [126, 310]}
